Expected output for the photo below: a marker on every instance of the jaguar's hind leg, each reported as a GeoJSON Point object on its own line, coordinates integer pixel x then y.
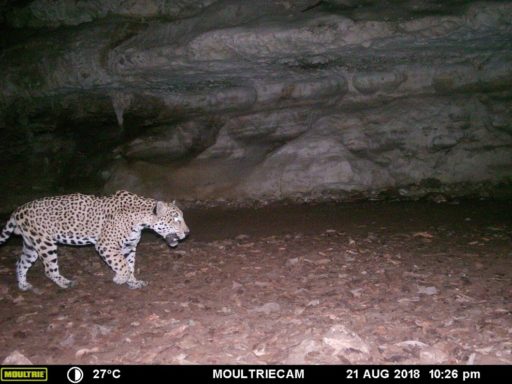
{"type": "Point", "coordinates": [47, 249]}
{"type": "Point", "coordinates": [27, 259]}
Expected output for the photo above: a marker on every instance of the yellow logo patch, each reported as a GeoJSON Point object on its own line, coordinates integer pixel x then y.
{"type": "Point", "coordinates": [25, 374]}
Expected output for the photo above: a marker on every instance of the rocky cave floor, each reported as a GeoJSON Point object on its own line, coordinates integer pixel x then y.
{"type": "Point", "coordinates": [392, 283]}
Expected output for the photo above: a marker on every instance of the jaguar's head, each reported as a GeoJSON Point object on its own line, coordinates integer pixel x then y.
{"type": "Point", "coordinates": [168, 222]}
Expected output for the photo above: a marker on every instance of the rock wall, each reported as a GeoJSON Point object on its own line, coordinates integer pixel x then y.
{"type": "Point", "coordinates": [261, 100]}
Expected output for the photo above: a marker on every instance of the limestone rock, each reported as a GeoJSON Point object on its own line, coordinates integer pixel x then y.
{"type": "Point", "coordinates": [16, 358]}
{"type": "Point", "coordinates": [237, 100]}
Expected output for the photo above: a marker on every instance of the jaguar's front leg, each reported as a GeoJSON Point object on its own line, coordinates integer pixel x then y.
{"type": "Point", "coordinates": [129, 256]}
{"type": "Point", "coordinates": [112, 255]}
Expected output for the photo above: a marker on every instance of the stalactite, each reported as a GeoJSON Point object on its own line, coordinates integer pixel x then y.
{"type": "Point", "coordinates": [121, 101]}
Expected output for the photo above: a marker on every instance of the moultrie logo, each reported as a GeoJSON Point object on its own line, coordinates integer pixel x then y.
{"type": "Point", "coordinates": [23, 374]}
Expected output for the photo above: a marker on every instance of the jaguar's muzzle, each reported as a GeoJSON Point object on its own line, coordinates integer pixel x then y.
{"type": "Point", "coordinates": [172, 240]}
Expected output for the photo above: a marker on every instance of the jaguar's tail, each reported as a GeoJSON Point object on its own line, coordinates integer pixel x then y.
{"type": "Point", "coordinates": [8, 230]}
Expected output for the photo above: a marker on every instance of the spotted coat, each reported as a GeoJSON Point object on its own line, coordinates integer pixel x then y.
{"type": "Point", "coordinates": [112, 223]}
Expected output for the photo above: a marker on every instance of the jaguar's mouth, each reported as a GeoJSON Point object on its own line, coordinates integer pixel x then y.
{"type": "Point", "coordinates": [172, 240]}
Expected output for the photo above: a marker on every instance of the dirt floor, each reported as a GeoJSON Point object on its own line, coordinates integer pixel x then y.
{"type": "Point", "coordinates": [405, 283]}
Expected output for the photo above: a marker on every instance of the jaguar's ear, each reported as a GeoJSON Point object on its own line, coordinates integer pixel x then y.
{"type": "Point", "coordinates": [159, 209]}
{"type": "Point", "coordinates": [174, 202]}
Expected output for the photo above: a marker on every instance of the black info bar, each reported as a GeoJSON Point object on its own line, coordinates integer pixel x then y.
{"type": "Point", "coordinates": [120, 374]}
